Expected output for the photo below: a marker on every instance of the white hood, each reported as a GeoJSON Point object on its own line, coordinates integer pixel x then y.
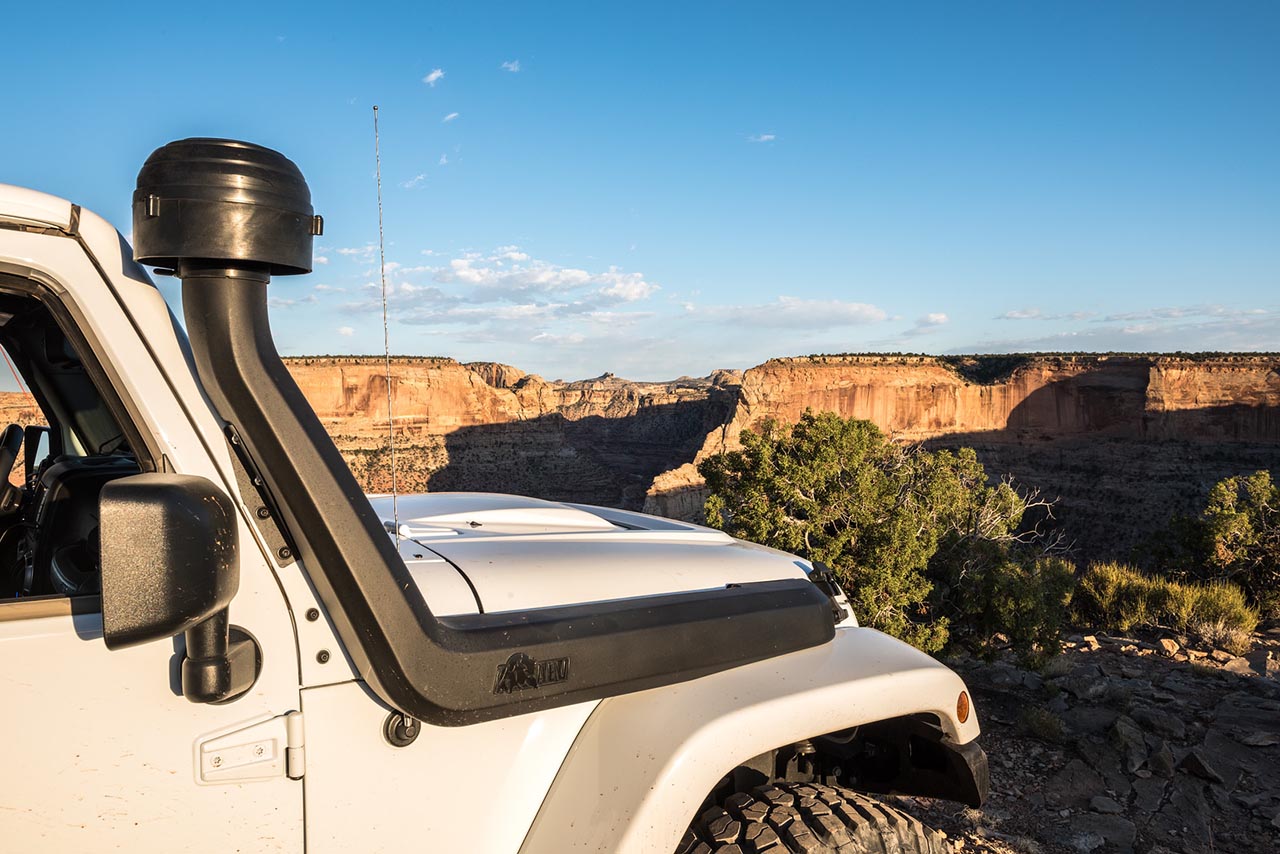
{"type": "Point", "coordinates": [518, 552]}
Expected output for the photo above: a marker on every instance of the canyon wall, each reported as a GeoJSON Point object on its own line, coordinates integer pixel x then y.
{"type": "Point", "coordinates": [1123, 442]}
{"type": "Point", "coordinates": [491, 427]}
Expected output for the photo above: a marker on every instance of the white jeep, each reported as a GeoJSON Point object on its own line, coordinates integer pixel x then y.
{"type": "Point", "coordinates": [211, 640]}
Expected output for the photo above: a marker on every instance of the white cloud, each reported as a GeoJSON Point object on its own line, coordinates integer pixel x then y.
{"type": "Point", "coordinates": [283, 302]}
{"type": "Point", "coordinates": [415, 182]}
{"type": "Point", "coordinates": [1161, 330]}
{"type": "Point", "coordinates": [444, 160]}
{"type": "Point", "coordinates": [450, 117]}
{"type": "Point", "coordinates": [511, 274]}
{"type": "Point", "coordinates": [329, 289]}
{"type": "Point", "coordinates": [1022, 314]}
{"type": "Point", "coordinates": [925, 325]}
{"type": "Point", "coordinates": [1037, 314]}
{"type": "Point", "coordinates": [320, 259]}
{"type": "Point", "coordinates": [512, 65]}
{"type": "Point", "coordinates": [434, 77]}
{"type": "Point", "coordinates": [364, 253]}
{"type": "Point", "coordinates": [506, 298]}
{"type": "Point", "coordinates": [346, 331]}
{"type": "Point", "coordinates": [510, 253]}
{"type": "Point", "coordinates": [1176, 312]}
{"type": "Point", "coordinates": [762, 137]}
{"type": "Point", "coordinates": [626, 287]}
{"type": "Point", "coordinates": [551, 338]}
{"type": "Point", "coordinates": [794, 313]}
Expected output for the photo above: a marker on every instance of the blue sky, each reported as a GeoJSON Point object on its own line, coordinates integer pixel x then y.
{"type": "Point", "coordinates": [664, 189]}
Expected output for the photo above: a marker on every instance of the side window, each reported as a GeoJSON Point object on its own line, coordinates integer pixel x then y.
{"type": "Point", "coordinates": [18, 406]}
{"type": "Point", "coordinates": [61, 443]}
{"type": "Point", "coordinates": [35, 451]}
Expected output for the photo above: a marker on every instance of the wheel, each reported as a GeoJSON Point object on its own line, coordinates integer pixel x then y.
{"type": "Point", "coordinates": [801, 817]}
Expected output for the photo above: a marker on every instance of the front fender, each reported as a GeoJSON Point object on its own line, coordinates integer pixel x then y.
{"type": "Point", "coordinates": [644, 762]}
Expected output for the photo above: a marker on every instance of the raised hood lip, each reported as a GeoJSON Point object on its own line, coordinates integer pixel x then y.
{"type": "Point", "coordinates": [520, 552]}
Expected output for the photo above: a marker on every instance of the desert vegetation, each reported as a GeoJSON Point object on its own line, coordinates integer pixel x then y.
{"type": "Point", "coordinates": [933, 550]}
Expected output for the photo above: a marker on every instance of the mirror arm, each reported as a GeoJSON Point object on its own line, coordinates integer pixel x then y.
{"type": "Point", "coordinates": [216, 668]}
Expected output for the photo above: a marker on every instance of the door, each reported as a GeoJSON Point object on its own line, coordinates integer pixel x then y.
{"type": "Point", "coordinates": [99, 749]}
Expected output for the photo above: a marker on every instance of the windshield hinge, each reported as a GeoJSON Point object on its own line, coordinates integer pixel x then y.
{"type": "Point", "coordinates": [257, 750]}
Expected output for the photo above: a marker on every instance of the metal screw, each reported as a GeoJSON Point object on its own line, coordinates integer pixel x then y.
{"type": "Point", "coordinates": [216, 761]}
{"type": "Point", "coordinates": [313, 614]}
{"type": "Point", "coordinates": [264, 513]}
{"type": "Point", "coordinates": [285, 552]}
{"type": "Point", "coordinates": [322, 656]}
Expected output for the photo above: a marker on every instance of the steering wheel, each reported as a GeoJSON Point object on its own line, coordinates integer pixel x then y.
{"type": "Point", "coordinates": [10, 442]}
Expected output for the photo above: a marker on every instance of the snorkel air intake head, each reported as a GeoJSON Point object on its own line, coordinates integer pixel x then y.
{"type": "Point", "coordinates": [223, 203]}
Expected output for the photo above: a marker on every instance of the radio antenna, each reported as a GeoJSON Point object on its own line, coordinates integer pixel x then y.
{"type": "Point", "coordinates": [386, 334]}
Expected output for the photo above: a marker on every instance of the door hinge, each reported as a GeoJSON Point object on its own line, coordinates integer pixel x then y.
{"type": "Point", "coordinates": [262, 749]}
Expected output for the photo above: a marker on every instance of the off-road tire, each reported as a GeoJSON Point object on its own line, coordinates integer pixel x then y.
{"type": "Point", "coordinates": [810, 819]}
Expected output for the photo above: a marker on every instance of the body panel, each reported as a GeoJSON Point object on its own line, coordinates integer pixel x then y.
{"type": "Point", "coordinates": [521, 552]}
{"type": "Point", "coordinates": [474, 789]}
{"type": "Point", "coordinates": [21, 206]}
{"type": "Point", "coordinates": [98, 747]}
{"type": "Point", "coordinates": [644, 762]}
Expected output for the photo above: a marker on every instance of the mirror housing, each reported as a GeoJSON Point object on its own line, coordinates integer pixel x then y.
{"type": "Point", "coordinates": [170, 565]}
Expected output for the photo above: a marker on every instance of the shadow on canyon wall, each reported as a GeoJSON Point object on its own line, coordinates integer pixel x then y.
{"type": "Point", "coordinates": [591, 460]}
{"type": "Point", "coordinates": [1119, 472]}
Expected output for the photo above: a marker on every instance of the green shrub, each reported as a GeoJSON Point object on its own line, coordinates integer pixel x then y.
{"type": "Point", "coordinates": [1221, 634]}
{"type": "Point", "coordinates": [1025, 600]}
{"type": "Point", "coordinates": [840, 491]}
{"type": "Point", "coordinates": [1179, 602]}
{"type": "Point", "coordinates": [1042, 723]}
{"type": "Point", "coordinates": [1119, 597]}
{"type": "Point", "coordinates": [1236, 539]}
{"type": "Point", "coordinates": [920, 540]}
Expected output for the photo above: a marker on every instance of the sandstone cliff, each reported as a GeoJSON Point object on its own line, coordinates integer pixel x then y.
{"type": "Point", "coordinates": [487, 426]}
{"type": "Point", "coordinates": [1123, 441]}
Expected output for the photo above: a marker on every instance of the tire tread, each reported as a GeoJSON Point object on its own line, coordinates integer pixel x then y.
{"type": "Point", "coordinates": [804, 818]}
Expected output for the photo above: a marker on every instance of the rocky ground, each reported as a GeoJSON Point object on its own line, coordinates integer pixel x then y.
{"type": "Point", "coordinates": [1152, 744]}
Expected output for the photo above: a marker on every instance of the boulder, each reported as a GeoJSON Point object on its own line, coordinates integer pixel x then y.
{"type": "Point", "coordinates": [1086, 682]}
{"type": "Point", "coordinates": [1091, 831]}
{"type": "Point", "coordinates": [1161, 761]}
{"type": "Point", "coordinates": [1156, 720]}
{"type": "Point", "coordinates": [1127, 738]}
{"type": "Point", "coordinates": [1073, 786]}
{"type": "Point", "coordinates": [1105, 805]}
{"type": "Point", "coordinates": [1198, 763]}
{"type": "Point", "coordinates": [1149, 793]}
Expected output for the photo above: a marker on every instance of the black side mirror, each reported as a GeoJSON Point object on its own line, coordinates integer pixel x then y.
{"type": "Point", "coordinates": [170, 565]}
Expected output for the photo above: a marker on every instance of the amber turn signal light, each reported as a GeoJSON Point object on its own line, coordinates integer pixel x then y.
{"type": "Point", "coordinates": [962, 707]}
